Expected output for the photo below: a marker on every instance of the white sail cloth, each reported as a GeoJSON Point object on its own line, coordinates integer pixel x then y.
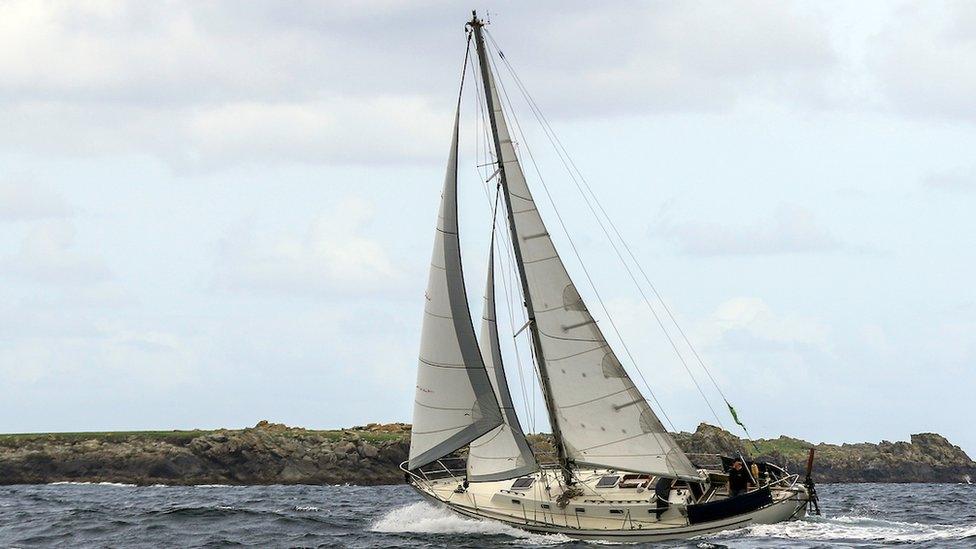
{"type": "Point", "coordinates": [455, 403]}
{"type": "Point", "coordinates": [603, 418]}
{"type": "Point", "coordinates": [503, 453]}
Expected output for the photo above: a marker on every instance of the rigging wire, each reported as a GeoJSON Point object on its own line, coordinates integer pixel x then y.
{"type": "Point", "coordinates": [580, 182]}
{"type": "Point", "coordinates": [511, 292]}
{"type": "Point", "coordinates": [573, 246]}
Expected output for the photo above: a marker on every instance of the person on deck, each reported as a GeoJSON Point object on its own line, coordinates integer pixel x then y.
{"type": "Point", "coordinates": [739, 479]}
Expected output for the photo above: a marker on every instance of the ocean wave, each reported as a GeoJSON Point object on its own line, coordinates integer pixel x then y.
{"type": "Point", "coordinates": [204, 511]}
{"type": "Point", "coordinates": [426, 518]}
{"type": "Point", "coordinates": [854, 528]}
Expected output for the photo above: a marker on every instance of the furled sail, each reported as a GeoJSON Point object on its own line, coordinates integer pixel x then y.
{"type": "Point", "coordinates": [455, 403]}
{"type": "Point", "coordinates": [603, 419]}
{"type": "Point", "coordinates": [502, 453]}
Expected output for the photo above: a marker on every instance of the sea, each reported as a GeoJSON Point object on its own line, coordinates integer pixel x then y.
{"type": "Point", "coordinates": [118, 515]}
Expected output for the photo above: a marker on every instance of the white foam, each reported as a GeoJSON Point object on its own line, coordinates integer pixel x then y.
{"type": "Point", "coordinates": [307, 508]}
{"type": "Point", "coordinates": [426, 518]}
{"type": "Point", "coordinates": [855, 528]}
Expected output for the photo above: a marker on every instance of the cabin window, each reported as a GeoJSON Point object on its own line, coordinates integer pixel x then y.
{"type": "Point", "coordinates": [516, 502]}
{"type": "Point", "coordinates": [607, 482]}
{"type": "Point", "coordinates": [580, 510]}
{"type": "Point", "coordinates": [545, 505]}
{"type": "Point", "coordinates": [522, 483]}
{"type": "Point", "coordinates": [616, 512]}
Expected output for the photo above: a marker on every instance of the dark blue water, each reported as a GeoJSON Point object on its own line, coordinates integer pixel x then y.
{"type": "Point", "coordinates": [80, 515]}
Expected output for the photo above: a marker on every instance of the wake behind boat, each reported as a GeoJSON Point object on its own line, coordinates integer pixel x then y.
{"type": "Point", "coordinates": [617, 473]}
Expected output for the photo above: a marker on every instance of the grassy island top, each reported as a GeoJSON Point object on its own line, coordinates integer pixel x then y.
{"type": "Point", "coordinates": [372, 432]}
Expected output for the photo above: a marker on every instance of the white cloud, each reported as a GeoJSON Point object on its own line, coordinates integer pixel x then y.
{"type": "Point", "coordinates": [956, 181]}
{"type": "Point", "coordinates": [760, 350]}
{"type": "Point", "coordinates": [753, 316]}
{"type": "Point", "coordinates": [96, 353]}
{"type": "Point", "coordinates": [790, 230]}
{"type": "Point", "coordinates": [204, 85]}
{"type": "Point", "coordinates": [646, 62]}
{"type": "Point", "coordinates": [332, 256]}
{"type": "Point", "coordinates": [24, 201]}
{"type": "Point", "coordinates": [374, 130]}
{"type": "Point", "coordinates": [48, 255]}
{"type": "Point", "coordinates": [925, 60]}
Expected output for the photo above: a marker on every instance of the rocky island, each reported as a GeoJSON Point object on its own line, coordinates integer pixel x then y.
{"type": "Point", "coordinates": [270, 453]}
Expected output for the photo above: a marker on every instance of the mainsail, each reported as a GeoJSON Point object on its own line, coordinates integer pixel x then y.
{"type": "Point", "coordinates": [455, 403]}
{"type": "Point", "coordinates": [599, 414]}
{"type": "Point", "coordinates": [502, 453]}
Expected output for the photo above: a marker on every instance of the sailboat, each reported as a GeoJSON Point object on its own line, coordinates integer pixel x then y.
{"type": "Point", "coordinates": [617, 473]}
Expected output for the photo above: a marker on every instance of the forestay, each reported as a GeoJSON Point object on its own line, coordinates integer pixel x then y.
{"type": "Point", "coordinates": [455, 402]}
{"type": "Point", "coordinates": [503, 453]}
{"type": "Point", "coordinates": [603, 418]}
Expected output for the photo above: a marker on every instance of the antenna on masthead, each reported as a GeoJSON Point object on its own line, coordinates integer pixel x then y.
{"type": "Point", "coordinates": [475, 22]}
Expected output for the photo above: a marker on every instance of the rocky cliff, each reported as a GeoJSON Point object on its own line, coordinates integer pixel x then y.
{"type": "Point", "coordinates": [927, 458]}
{"type": "Point", "coordinates": [275, 454]}
{"type": "Point", "coordinates": [268, 453]}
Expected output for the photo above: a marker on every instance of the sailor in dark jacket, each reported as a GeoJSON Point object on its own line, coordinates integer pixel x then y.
{"type": "Point", "coordinates": [739, 479]}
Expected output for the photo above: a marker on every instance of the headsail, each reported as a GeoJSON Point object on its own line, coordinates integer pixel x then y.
{"type": "Point", "coordinates": [455, 402]}
{"type": "Point", "coordinates": [602, 418]}
{"type": "Point", "coordinates": [502, 453]}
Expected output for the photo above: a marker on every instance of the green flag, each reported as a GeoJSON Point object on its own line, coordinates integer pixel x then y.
{"type": "Point", "coordinates": [735, 416]}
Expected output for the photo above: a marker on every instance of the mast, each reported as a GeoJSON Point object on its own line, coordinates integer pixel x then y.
{"type": "Point", "coordinates": [476, 26]}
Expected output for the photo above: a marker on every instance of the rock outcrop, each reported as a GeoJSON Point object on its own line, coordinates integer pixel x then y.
{"type": "Point", "coordinates": [268, 453]}
{"type": "Point", "coordinates": [271, 453]}
{"type": "Point", "coordinates": [927, 458]}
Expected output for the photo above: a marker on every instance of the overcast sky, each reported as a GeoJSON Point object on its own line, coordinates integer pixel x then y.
{"type": "Point", "coordinates": [213, 213]}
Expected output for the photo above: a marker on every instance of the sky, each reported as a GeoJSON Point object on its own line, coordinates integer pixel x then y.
{"type": "Point", "coordinates": [213, 213]}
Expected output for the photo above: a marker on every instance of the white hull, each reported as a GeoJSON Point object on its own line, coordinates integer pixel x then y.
{"type": "Point", "coordinates": [628, 515]}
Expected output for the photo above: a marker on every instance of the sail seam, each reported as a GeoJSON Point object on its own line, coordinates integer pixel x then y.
{"type": "Point", "coordinates": [447, 365]}
{"type": "Point", "coordinates": [604, 346]}
{"type": "Point", "coordinates": [448, 317]}
{"type": "Point", "coordinates": [604, 397]}
{"type": "Point", "coordinates": [533, 261]}
{"type": "Point", "coordinates": [435, 431]}
{"type": "Point", "coordinates": [562, 338]}
{"type": "Point", "coordinates": [451, 408]}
